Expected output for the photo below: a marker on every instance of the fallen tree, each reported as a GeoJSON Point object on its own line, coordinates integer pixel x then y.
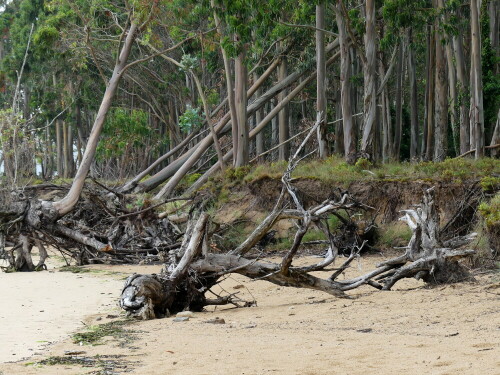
{"type": "Point", "coordinates": [99, 229]}
{"type": "Point", "coordinates": [193, 269]}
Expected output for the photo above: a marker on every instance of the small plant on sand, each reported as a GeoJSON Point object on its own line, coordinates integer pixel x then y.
{"type": "Point", "coordinates": [95, 334]}
{"type": "Point", "coordinates": [106, 364]}
{"type": "Point", "coordinates": [74, 269]}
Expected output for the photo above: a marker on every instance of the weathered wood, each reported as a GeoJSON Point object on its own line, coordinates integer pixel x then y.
{"type": "Point", "coordinates": [143, 296]}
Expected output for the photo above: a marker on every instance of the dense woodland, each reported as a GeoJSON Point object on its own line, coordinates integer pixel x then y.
{"type": "Point", "coordinates": [144, 95]}
{"type": "Point", "coordinates": [177, 87]}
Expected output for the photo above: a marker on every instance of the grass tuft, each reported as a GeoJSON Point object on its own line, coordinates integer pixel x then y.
{"type": "Point", "coordinates": [95, 334]}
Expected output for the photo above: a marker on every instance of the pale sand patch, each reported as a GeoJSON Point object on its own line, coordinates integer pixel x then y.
{"type": "Point", "coordinates": [39, 308]}
{"type": "Point", "coordinates": [453, 329]}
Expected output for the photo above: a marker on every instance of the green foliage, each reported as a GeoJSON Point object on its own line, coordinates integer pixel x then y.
{"type": "Point", "coordinates": [236, 174]}
{"type": "Point", "coordinates": [189, 62]}
{"type": "Point", "coordinates": [392, 235]}
{"type": "Point", "coordinates": [401, 14]}
{"type": "Point", "coordinates": [362, 164]}
{"type": "Point", "coordinates": [191, 119]}
{"type": "Point", "coordinates": [284, 243]}
{"type": "Point", "coordinates": [95, 334]}
{"type": "Point", "coordinates": [490, 211]}
{"type": "Point", "coordinates": [233, 236]}
{"type": "Point", "coordinates": [490, 184]}
{"type": "Point", "coordinates": [491, 80]}
{"type": "Point", "coordinates": [314, 235]}
{"type": "Point", "coordinates": [123, 131]}
{"type": "Point", "coordinates": [336, 170]}
{"type": "Point", "coordinates": [192, 178]}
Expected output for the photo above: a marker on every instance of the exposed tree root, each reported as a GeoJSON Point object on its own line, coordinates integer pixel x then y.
{"type": "Point", "coordinates": [193, 269]}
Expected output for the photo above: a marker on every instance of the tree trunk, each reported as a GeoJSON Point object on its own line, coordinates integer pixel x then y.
{"type": "Point", "coordinates": [229, 83]}
{"type": "Point", "coordinates": [66, 204]}
{"type": "Point", "coordinates": [441, 104]}
{"type": "Point", "coordinates": [370, 82]}
{"type": "Point", "coordinates": [452, 80]}
{"type": "Point", "coordinates": [283, 125]}
{"type": "Point", "coordinates": [242, 153]}
{"type": "Point", "coordinates": [339, 128]}
{"type": "Point", "coordinates": [414, 149]}
{"type": "Point", "coordinates": [259, 138]}
{"type": "Point", "coordinates": [477, 111]}
{"type": "Point", "coordinates": [495, 138]}
{"type": "Point", "coordinates": [453, 105]}
{"type": "Point", "coordinates": [70, 161]}
{"type": "Point", "coordinates": [321, 84]}
{"type": "Point", "coordinates": [220, 155]}
{"type": "Point", "coordinates": [462, 94]}
{"type": "Point", "coordinates": [385, 117]}
{"type": "Point", "coordinates": [65, 149]}
{"type": "Point", "coordinates": [345, 77]}
{"type": "Point", "coordinates": [429, 148]}
{"type": "Point", "coordinates": [399, 104]}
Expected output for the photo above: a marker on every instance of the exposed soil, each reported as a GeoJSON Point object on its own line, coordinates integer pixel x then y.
{"type": "Point", "coordinates": [453, 329]}
{"type": "Point", "coordinates": [388, 196]}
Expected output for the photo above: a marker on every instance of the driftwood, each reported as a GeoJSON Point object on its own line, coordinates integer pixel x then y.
{"type": "Point", "coordinates": [192, 269]}
{"type": "Point", "coordinates": [182, 284]}
{"type": "Point", "coordinates": [101, 229]}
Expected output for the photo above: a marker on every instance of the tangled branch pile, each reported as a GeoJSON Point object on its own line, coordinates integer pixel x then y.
{"type": "Point", "coordinates": [101, 229]}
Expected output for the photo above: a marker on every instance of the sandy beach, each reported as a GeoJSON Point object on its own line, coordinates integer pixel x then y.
{"type": "Point", "coordinates": [452, 329]}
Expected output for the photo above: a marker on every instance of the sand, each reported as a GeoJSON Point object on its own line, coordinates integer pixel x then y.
{"type": "Point", "coordinates": [453, 329]}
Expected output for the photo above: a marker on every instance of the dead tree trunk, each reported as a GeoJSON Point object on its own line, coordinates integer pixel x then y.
{"type": "Point", "coordinates": [192, 270]}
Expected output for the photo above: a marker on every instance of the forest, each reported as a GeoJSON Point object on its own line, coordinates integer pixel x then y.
{"type": "Point", "coordinates": [315, 184]}
{"type": "Point", "coordinates": [181, 87]}
{"type": "Point", "coordinates": [122, 108]}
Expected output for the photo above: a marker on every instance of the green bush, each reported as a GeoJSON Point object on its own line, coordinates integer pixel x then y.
{"type": "Point", "coordinates": [491, 211]}
{"type": "Point", "coordinates": [490, 184]}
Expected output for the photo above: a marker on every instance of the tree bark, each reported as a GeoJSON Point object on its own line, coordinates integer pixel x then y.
{"type": "Point", "coordinates": [242, 147]}
{"type": "Point", "coordinates": [452, 84]}
{"type": "Point", "coordinates": [462, 94]}
{"type": "Point", "coordinates": [431, 43]}
{"type": "Point", "coordinates": [345, 76]}
{"type": "Point", "coordinates": [414, 149]}
{"type": "Point", "coordinates": [398, 130]}
{"type": "Point", "coordinates": [66, 204]}
{"type": "Point", "coordinates": [370, 82]}
{"type": "Point", "coordinates": [477, 111]}
{"type": "Point", "coordinates": [229, 84]}
{"type": "Point", "coordinates": [321, 104]}
{"type": "Point", "coordinates": [495, 138]}
{"type": "Point", "coordinates": [441, 104]}
{"type": "Point", "coordinates": [259, 138]}
{"type": "Point", "coordinates": [386, 118]}
{"type": "Point", "coordinates": [220, 155]}
{"type": "Point", "coordinates": [283, 125]}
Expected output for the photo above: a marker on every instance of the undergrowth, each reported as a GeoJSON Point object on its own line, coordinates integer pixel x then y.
{"type": "Point", "coordinates": [335, 169]}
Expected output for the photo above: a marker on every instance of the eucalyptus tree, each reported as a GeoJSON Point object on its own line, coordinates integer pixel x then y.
{"type": "Point", "coordinates": [476, 109]}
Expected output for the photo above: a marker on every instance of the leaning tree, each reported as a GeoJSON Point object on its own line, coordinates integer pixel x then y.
{"type": "Point", "coordinates": [92, 223]}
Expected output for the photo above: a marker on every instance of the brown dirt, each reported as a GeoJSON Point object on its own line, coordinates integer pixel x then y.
{"type": "Point", "coordinates": [453, 329]}
{"type": "Point", "coordinates": [388, 196]}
